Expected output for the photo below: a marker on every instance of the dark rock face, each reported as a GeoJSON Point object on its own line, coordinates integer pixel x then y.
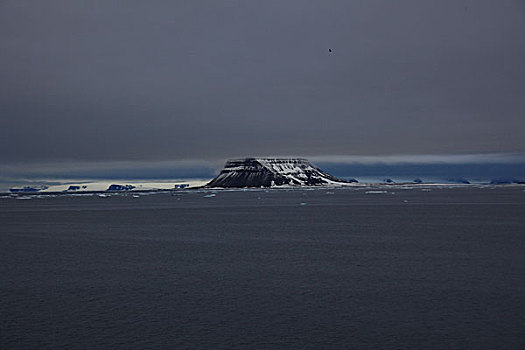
{"type": "Point", "coordinates": [269, 172]}
{"type": "Point", "coordinates": [120, 188]}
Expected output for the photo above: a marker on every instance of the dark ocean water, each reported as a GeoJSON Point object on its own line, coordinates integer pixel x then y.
{"type": "Point", "coordinates": [443, 269]}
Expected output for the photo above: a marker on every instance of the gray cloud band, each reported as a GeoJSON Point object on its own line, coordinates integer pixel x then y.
{"type": "Point", "coordinates": [211, 80]}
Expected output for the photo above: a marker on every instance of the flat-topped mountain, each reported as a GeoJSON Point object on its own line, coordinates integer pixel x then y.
{"type": "Point", "coordinates": [270, 172]}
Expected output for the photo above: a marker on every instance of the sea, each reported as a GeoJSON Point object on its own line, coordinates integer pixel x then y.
{"type": "Point", "coordinates": [326, 268]}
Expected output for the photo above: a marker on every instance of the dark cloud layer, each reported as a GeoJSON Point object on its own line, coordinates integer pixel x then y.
{"type": "Point", "coordinates": [172, 80]}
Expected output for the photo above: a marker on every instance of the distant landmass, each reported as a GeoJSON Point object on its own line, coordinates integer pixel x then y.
{"type": "Point", "coordinates": [28, 189]}
{"type": "Point", "coordinates": [256, 172]}
{"type": "Point", "coordinates": [272, 172]}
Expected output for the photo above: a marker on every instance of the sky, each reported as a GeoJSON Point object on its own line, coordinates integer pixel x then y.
{"type": "Point", "coordinates": [180, 86]}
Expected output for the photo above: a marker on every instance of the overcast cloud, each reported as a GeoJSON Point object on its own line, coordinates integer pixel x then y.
{"type": "Point", "coordinates": [207, 80]}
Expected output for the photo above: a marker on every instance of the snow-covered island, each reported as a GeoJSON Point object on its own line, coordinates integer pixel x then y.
{"type": "Point", "coordinates": [272, 172]}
